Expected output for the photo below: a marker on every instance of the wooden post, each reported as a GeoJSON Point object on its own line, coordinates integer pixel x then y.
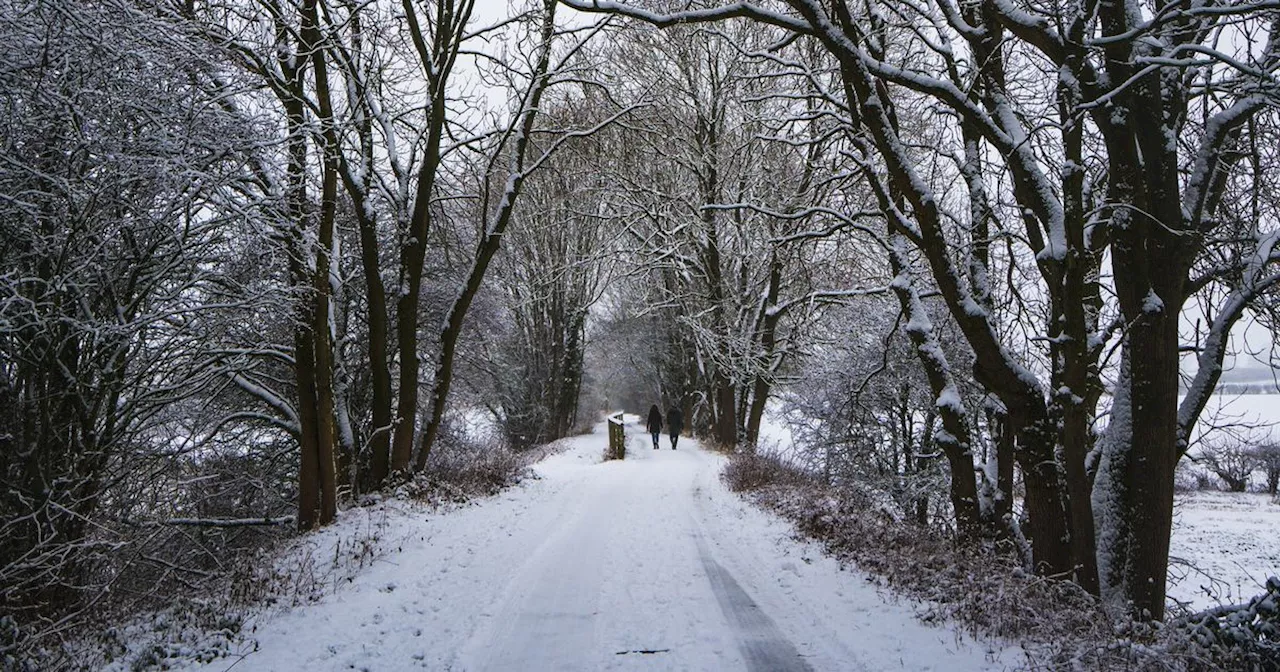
{"type": "Point", "coordinates": [617, 438]}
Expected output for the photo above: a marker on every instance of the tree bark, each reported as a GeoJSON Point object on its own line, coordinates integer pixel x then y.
{"type": "Point", "coordinates": [327, 440]}
{"type": "Point", "coordinates": [437, 59]}
{"type": "Point", "coordinates": [304, 337]}
{"type": "Point", "coordinates": [489, 243]}
{"type": "Point", "coordinates": [768, 343]}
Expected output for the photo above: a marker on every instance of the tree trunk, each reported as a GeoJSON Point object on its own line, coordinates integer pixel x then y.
{"type": "Point", "coordinates": [320, 343]}
{"type": "Point", "coordinates": [379, 367]}
{"type": "Point", "coordinates": [412, 256]}
{"type": "Point", "coordinates": [437, 57]}
{"type": "Point", "coordinates": [308, 422]}
{"type": "Point", "coordinates": [1141, 466]}
{"type": "Point", "coordinates": [1048, 511]}
{"type": "Point", "coordinates": [768, 343]}
{"type": "Point", "coordinates": [726, 415]}
{"type": "Point", "coordinates": [490, 242]}
{"type": "Point", "coordinates": [304, 336]}
{"type": "Point", "coordinates": [755, 415]}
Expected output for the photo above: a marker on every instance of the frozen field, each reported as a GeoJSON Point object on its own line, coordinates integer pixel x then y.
{"type": "Point", "coordinates": [1224, 546]}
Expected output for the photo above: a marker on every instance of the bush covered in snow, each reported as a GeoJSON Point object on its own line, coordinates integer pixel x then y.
{"type": "Point", "coordinates": [1246, 635]}
{"type": "Point", "coordinates": [229, 574]}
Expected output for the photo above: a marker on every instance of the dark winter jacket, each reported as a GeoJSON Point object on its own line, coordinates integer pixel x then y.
{"type": "Point", "coordinates": [675, 421]}
{"type": "Point", "coordinates": [655, 420]}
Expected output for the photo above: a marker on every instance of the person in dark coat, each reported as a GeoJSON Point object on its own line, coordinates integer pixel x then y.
{"type": "Point", "coordinates": [675, 424]}
{"type": "Point", "coordinates": [655, 424]}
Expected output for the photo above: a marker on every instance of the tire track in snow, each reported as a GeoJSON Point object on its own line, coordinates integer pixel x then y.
{"type": "Point", "coordinates": [619, 574]}
{"type": "Point", "coordinates": [763, 646]}
{"type": "Point", "coordinates": [547, 611]}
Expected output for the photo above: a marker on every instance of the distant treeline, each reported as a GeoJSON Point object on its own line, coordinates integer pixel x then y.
{"type": "Point", "coordinates": [1248, 388]}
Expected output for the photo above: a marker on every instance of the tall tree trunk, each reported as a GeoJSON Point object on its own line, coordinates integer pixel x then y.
{"type": "Point", "coordinates": [320, 336]}
{"type": "Point", "coordinates": [376, 320]}
{"type": "Point", "coordinates": [722, 387]}
{"type": "Point", "coordinates": [310, 508]}
{"type": "Point", "coordinates": [436, 56]}
{"type": "Point", "coordinates": [1135, 482]}
{"type": "Point", "coordinates": [379, 366]}
{"type": "Point", "coordinates": [490, 242]}
{"type": "Point", "coordinates": [1075, 376]}
{"type": "Point", "coordinates": [412, 257]}
{"type": "Point", "coordinates": [768, 330]}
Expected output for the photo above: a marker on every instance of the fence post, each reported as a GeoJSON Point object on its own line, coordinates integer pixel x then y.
{"type": "Point", "coordinates": [617, 437]}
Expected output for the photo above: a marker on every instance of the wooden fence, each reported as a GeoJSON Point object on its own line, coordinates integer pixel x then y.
{"type": "Point", "coordinates": [617, 438]}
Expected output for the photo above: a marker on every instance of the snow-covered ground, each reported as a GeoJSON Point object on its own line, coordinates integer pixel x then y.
{"type": "Point", "coordinates": [1224, 546]}
{"type": "Point", "coordinates": [647, 563]}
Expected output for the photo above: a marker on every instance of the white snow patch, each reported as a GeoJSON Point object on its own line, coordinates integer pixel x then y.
{"type": "Point", "coordinates": [1152, 304]}
{"type": "Point", "coordinates": [1224, 546]}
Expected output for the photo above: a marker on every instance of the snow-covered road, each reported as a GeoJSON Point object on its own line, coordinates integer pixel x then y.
{"type": "Point", "coordinates": [643, 564]}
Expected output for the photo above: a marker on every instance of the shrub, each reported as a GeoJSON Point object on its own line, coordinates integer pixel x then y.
{"type": "Point", "coordinates": [1231, 460]}
{"type": "Point", "coordinates": [458, 471]}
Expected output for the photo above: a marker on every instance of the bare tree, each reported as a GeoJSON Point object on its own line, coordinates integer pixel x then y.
{"type": "Point", "coordinates": [346, 79]}
{"type": "Point", "coordinates": [116, 192]}
{"type": "Point", "coordinates": [553, 269]}
{"type": "Point", "coordinates": [1231, 460]}
{"type": "Point", "coordinates": [1151, 113]}
{"type": "Point", "coordinates": [715, 189]}
{"type": "Point", "coordinates": [1268, 457]}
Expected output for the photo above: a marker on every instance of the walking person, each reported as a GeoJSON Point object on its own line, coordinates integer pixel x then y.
{"type": "Point", "coordinates": [675, 423]}
{"type": "Point", "coordinates": [655, 424]}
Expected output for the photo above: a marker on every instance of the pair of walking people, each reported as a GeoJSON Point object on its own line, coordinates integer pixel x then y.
{"type": "Point", "coordinates": [675, 423]}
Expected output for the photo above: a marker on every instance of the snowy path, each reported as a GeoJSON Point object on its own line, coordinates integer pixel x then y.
{"type": "Point", "coordinates": [644, 564]}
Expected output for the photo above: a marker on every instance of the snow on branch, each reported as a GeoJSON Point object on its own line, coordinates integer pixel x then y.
{"type": "Point", "coordinates": [275, 401]}
{"type": "Point", "coordinates": [844, 221]}
{"type": "Point", "coordinates": [737, 10]}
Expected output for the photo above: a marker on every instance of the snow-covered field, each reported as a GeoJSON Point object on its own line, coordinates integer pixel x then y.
{"type": "Point", "coordinates": [647, 563]}
{"type": "Point", "coordinates": [1224, 546]}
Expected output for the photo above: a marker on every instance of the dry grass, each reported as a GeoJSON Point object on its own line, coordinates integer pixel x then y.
{"type": "Point", "coordinates": [751, 471]}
